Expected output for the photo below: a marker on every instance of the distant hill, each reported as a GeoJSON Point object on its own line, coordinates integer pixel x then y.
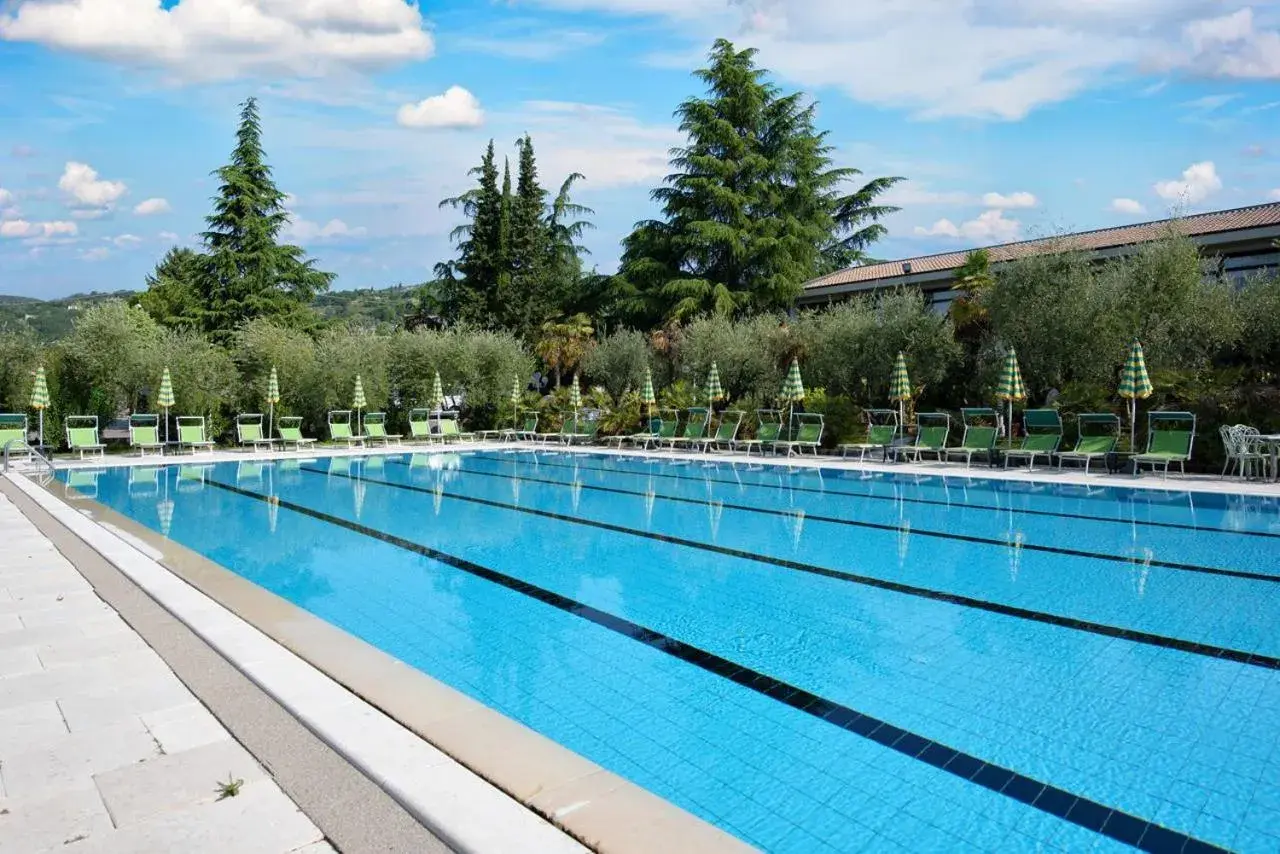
{"type": "Point", "coordinates": [51, 319]}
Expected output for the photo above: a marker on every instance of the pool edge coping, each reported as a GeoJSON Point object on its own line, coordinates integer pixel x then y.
{"type": "Point", "coordinates": [478, 790]}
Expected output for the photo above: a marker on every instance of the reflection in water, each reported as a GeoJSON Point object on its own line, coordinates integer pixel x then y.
{"type": "Point", "coordinates": [82, 483]}
{"type": "Point", "coordinates": [144, 481]}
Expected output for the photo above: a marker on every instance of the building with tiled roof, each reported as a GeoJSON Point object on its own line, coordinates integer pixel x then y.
{"type": "Point", "coordinates": [1243, 239]}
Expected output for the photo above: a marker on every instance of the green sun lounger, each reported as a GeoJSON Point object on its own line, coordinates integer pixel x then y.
{"type": "Point", "coordinates": [1170, 436]}
{"type": "Point", "coordinates": [809, 427]}
{"type": "Point", "coordinates": [932, 431]}
{"type": "Point", "coordinates": [420, 426]}
{"type": "Point", "coordinates": [726, 434]}
{"type": "Point", "coordinates": [191, 434]}
{"type": "Point", "coordinates": [882, 432]}
{"type": "Point", "coordinates": [290, 429]}
{"type": "Point", "coordinates": [584, 433]}
{"type": "Point", "coordinates": [249, 432]}
{"type": "Point", "coordinates": [768, 429]}
{"type": "Point", "coordinates": [82, 435]}
{"type": "Point", "coordinates": [13, 433]}
{"type": "Point", "coordinates": [695, 430]}
{"type": "Point", "coordinates": [450, 432]}
{"type": "Point", "coordinates": [980, 434]}
{"type": "Point", "coordinates": [144, 434]}
{"type": "Point", "coordinates": [375, 429]}
{"type": "Point", "coordinates": [667, 431]}
{"type": "Point", "coordinates": [527, 430]}
{"type": "Point", "coordinates": [1043, 436]}
{"type": "Point", "coordinates": [340, 429]}
{"type": "Point", "coordinates": [1098, 433]}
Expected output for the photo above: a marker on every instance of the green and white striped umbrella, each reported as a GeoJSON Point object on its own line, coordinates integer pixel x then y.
{"type": "Point", "coordinates": [40, 390]}
{"type": "Point", "coordinates": [273, 387]}
{"type": "Point", "coordinates": [647, 397]}
{"type": "Point", "coordinates": [1011, 387]}
{"type": "Point", "coordinates": [900, 385]}
{"type": "Point", "coordinates": [165, 398]}
{"type": "Point", "coordinates": [1134, 384]}
{"type": "Point", "coordinates": [437, 393]}
{"type": "Point", "coordinates": [358, 401]}
{"type": "Point", "coordinates": [793, 386]}
{"type": "Point", "coordinates": [575, 394]}
{"type": "Point", "coordinates": [273, 397]}
{"type": "Point", "coordinates": [715, 392]}
{"type": "Point", "coordinates": [899, 381]}
{"type": "Point", "coordinates": [515, 403]}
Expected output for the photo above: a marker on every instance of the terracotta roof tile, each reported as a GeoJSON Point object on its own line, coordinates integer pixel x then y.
{"type": "Point", "coordinates": [1103, 238]}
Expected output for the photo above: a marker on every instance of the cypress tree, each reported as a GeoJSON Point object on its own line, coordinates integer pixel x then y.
{"type": "Point", "coordinates": [245, 272]}
{"type": "Point", "coordinates": [529, 305]}
{"type": "Point", "coordinates": [474, 297]}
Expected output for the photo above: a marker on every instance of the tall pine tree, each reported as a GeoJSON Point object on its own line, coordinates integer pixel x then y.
{"type": "Point", "coordinates": [245, 272]}
{"type": "Point", "coordinates": [753, 207]}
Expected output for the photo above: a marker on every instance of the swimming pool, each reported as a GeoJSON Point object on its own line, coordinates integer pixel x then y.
{"type": "Point", "coordinates": [813, 660]}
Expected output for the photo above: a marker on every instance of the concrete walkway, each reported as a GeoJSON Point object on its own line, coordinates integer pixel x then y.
{"type": "Point", "coordinates": [102, 748]}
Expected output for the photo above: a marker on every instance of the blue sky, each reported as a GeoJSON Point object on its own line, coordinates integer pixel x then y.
{"type": "Point", "coordinates": [1010, 118]}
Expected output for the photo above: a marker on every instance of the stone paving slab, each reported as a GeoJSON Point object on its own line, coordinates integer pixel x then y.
{"type": "Point", "coordinates": [102, 749]}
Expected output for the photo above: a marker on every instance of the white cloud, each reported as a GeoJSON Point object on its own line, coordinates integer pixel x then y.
{"type": "Point", "coordinates": [1198, 182]}
{"type": "Point", "coordinates": [22, 228]}
{"type": "Point", "coordinates": [89, 213]}
{"type": "Point", "coordinates": [1274, 195]}
{"type": "Point", "coordinates": [1231, 46]}
{"type": "Point", "coordinates": [81, 184]}
{"type": "Point", "coordinates": [147, 207]}
{"type": "Point", "coordinates": [1127, 206]}
{"type": "Point", "coordinates": [456, 108]}
{"type": "Point", "coordinates": [97, 253]}
{"type": "Point", "coordinates": [996, 59]}
{"type": "Point", "coordinates": [126, 241]}
{"type": "Point", "coordinates": [218, 39]}
{"type": "Point", "coordinates": [538, 46]}
{"type": "Point", "coordinates": [1210, 102]}
{"type": "Point", "coordinates": [989, 227]}
{"type": "Point", "coordinates": [908, 193]}
{"type": "Point", "coordinates": [6, 197]}
{"type": "Point", "coordinates": [167, 235]}
{"type": "Point", "coordinates": [1020, 199]}
{"type": "Point", "coordinates": [304, 230]}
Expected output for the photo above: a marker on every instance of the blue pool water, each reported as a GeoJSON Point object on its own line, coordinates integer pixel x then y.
{"type": "Point", "coordinates": [814, 660]}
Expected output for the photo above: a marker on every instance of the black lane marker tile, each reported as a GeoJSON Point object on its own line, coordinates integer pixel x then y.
{"type": "Point", "coordinates": [1163, 641]}
{"type": "Point", "coordinates": [797, 698]}
{"type": "Point", "coordinates": [1127, 560]}
{"type": "Point", "coordinates": [930, 501]}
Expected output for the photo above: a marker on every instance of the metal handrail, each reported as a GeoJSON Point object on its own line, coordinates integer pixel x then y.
{"type": "Point", "coordinates": [31, 452]}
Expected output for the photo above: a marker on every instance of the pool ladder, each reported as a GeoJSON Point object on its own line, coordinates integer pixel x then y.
{"type": "Point", "coordinates": [31, 452]}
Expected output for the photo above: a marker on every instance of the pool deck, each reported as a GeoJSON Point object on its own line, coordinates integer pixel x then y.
{"type": "Point", "coordinates": [102, 748]}
{"type": "Point", "coordinates": [103, 744]}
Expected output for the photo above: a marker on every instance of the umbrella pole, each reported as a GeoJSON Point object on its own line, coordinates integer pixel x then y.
{"type": "Point", "coordinates": [40, 434]}
{"type": "Point", "coordinates": [271, 419]}
{"type": "Point", "coordinates": [1133, 422]}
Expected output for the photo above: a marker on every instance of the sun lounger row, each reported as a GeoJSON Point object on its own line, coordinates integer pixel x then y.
{"type": "Point", "coordinates": [1170, 436]}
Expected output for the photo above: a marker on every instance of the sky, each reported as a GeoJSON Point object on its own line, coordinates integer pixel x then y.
{"type": "Point", "coordinates": [1010, 119]}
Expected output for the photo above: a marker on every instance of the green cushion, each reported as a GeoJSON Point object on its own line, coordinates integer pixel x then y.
{"type": "Point", "coordinates": [1043, 443]}
{"type": "Point", "coordinates": [82, 437]}
{"type": "Point", "coordinates": [1175, 444]}
{"type": "Point", "coordinates": [249, 432]}
{"type": "Point", "coordinates": [16, 435]}
{"type": "Point", "coordinates": [375, 429]}
{"type": "Point", "coordinates": [979, 438]}
{"type": "Point", "coordinates": [769, 431]}
{"type": "Point", "coordinates": [881, 434]}
{"type": "Point", "coordinates": [418, 429]}
{"type": "Point", "coordinates": [932, 437]}
{"type": "Point", "coordinates": [339, 430]}
{"type": "Point", "coordinates": [1095, 445]}
{"type": "Point", "coordinates": [449, 427]}
{"type": "Point", "coordinates": [144, 435]}
{"type": "Point", "coordinates": [810, 433]}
